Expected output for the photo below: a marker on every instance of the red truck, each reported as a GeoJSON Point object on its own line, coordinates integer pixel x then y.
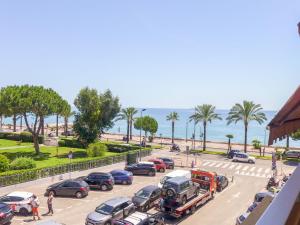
{"type": "Point", "coordinates": [208, 185]}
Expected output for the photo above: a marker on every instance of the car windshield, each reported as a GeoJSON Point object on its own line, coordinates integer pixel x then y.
{"type": "Point", "coordinates": [104, 209]}
{"type": "Point", "coordinates": [143, 194]}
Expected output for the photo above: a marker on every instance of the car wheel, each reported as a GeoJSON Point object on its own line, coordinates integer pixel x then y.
{"type": "Point", "coordinates": [104, 187]}
{"type": "Point", "coordinates": [79, 194]}
{"type": "Point", "coordinates": [23, 212]}
{"type": "Point", "coordinates": [53, 193]}
{"type": "Point", "coordinates": [162, 170]}
{"type": "Point", "coordinates": [184, 199]}
{"type": "Point", "coordinates": [151, 174]}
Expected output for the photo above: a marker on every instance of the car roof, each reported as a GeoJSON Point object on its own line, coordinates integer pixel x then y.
{"type": "Point", "coordinates": [117, 201]}
{"type": "Point", "coordinates": [145, 162]}
{"type": "Point", "coordinates": [150, 188]}
{"type": "Point", "coordinates": [177, 180]}
{"type": "Point", "coordinates": [136, 218]}
{"type": "Point", "coordinates": [99, 173]}
{"type": "Point", "coordinates": [178, 173]}
{"type": "Point", "coordinates": [119, 171]}
{"type": "Point", "coordinates": [21, 194]}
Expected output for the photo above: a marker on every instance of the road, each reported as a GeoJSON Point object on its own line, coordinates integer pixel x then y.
{"type": "Point", "coordinates": [247, 180]}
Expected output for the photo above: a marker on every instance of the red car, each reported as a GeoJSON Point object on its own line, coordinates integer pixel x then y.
{"type": "Point", "coordinates": [159, 165]}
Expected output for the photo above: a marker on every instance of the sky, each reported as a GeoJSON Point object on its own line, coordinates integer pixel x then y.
{"type": "Point", "coordinates": [170, 54]}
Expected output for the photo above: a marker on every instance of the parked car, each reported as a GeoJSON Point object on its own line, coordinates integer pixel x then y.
{"type": "Point", "coordinates": [169, 162]}
{"type": "Point", "coordinates": [139, 218]}
{"type": "Point", "coordinates": [116, 208]}
{"type": "Point", "coordinates": [252, 206]}
{"type": "Point", "coordinates": [19, 201]}
{"type": "Point", "coordinates": [159, 165]}
{"type": "Point", "coordinates": [222, 182]}
{"type": "Point", "coordinates": [292, 154]}
{"type": "Point", "coordinates": [69, 188]}
{"type": "Point", "coordinates": [243, 157]}
{"type": "Point", "coordinates": [6, 214]}
{"type": "Point", "coordinates": [242, 218]}
{"type": "Point", "coordinates": [142, 168]}
{"type": "Point", "coordinates": [122, 176]}
{"type": "Point", "coordinates": [179, 190]}
{"type": "Point", "coordinates": [232, 152]}
{"type": "Point", "coordinates": [175, 173]}
{"type": "Point", "coordinates": [101, 181]}
{"type": "Point", "coordinates": [146, 198]}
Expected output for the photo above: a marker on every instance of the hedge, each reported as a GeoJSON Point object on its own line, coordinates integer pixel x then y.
{"type": "Point", "coordinates": [23, 136]}
{"type": "Point", "coordinates": [72, 143]}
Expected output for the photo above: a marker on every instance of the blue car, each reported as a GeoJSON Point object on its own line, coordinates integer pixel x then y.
{"type": "Point", "coordinates": [232, 153]}
{"type": "Point", "coordinates": [122, 176]}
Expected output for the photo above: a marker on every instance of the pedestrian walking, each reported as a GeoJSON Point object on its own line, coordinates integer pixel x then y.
{"type": "Point", "coordinates": [49, 204]}
{"type": "Point", "coordinates": [35, 207]}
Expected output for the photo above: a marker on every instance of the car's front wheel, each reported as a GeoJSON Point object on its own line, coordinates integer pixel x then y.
{"type": "Point", "coordinates": [184, 200]}
{"type": "Point", "coordinates": [151, 173]}
{"type": "Point", "coordinates": [23, 212]}
{"type": "Point", "coordinates": [104, 187]}
{"type": "Point", "coordinates": [162, 170]}
{"type": "Point", "coordinates": [79, 194]}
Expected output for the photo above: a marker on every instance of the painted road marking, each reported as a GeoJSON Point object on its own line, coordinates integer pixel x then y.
{"type": "Point", "coordinates": [259, 170]}
{"type": "Point", "coordinates": [245, 168]}
{"type": "Point", "coordinates": [232, 166]}
{"type": "Point", "coordinates": [252, 169]}
{"type": "Point", "coordinates": [206, 163]}
{"type": "Point", "coordinates": [212, 164]}
{"type": "Point", "coordinates": [226, 165]}
{"type": "Point", "coordinates": [267, 170]}
{"type": "Point", "coordinates": [238, 167]}
{"type": "Point", "coordinates": [218, 165]}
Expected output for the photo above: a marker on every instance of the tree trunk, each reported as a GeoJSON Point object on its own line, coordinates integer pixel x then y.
{"type": "Point", "coordinates": [43, 125]}
{"type": "Point", "coordinates": [173, 126]}
{"type": "Point", "coordinates": [1, 117]}
{"type": "Point", "coordinates": [204, 136]}
{"type": "Point", "coordinates": [21, 123]}
{"type": "Point", "coordinates": [128, 128]}
{"type": "Point", "coordinates": [228, 146]}
{"type": "Point", "coordinates": [245, 141]}
{"type": "Point", "coordinates": [56, 125]}
{"type": "Point", "coordinates": [36, 143]}
{"type": "Point", "coordinates": [14, 123]}
{"type": "Point", "coordinates": [287, 142]}
{"type": "Point", "coordinates": [66, 125]}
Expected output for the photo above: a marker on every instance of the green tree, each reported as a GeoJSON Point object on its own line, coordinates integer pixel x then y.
{"type": "Point", "coordinates": [246, 112]}
{"type": "Point", "coordinates": [206, 114]}
{"type": "Point", "coordinates": [173, 117]}
{"type": "Point", "coordinates": [296, 136]}
{"type": "Point", "coordinates": [65, 112]}
{"type": "Point", "coordinates": [96, 113]}
{"type": "Point", "coordinates": [229, 136]}
{"type": "Point", "coordinates": [147, 124]}
{"type": "Point", "coordinates": [127, 114]}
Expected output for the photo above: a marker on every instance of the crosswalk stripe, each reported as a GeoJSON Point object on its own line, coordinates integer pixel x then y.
{"type": "Point", "coordinates": [238, 167]}
{"type": "Point", "coordinates": [232, 166]}
{"type": "Point", "coordinates": [226, 165]}
{"type": "Point", "coordinates": [257, 175]}
{"type": "Point", "coordinates": [259, 170]}
{"type": "Point", "coordinates": [245, 168]}
{"type": "Point", "coordinates": [218, 165]}
{"type": "Point", "coordinates": [252, 169]}
{"type": "Point", "coordinates": [212, 164]}
{"type": "Point", "coordinates": [253, 174]}
{"type": "Point", "coordinates": [237, 172]}
{"type": "Point", "coordinates": [206, 163]}
{"type": "Point", "coordinates": [267, 170]}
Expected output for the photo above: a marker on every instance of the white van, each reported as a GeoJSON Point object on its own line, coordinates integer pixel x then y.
{"type": "Point", "coordinates": [175, 173]}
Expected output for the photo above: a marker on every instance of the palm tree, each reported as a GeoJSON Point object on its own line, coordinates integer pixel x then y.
{"type": "Point", "coordinates": [246, 112]}
{"type": "Point", "coordinates": [206, 114]}
{"type": "Point", "coordinates": [173, 116]}
{"type": "Point", "coordinates": [127, 114]}
{"type": "Point", "coordinates": [229, 136]}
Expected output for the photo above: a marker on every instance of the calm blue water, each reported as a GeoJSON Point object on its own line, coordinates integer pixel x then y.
{"type": "Point", "coordinates": [216, 131]}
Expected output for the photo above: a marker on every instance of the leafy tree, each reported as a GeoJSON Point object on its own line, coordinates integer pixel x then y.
{"type": "Point", "coordinates": [246, 112]}
{"type": "Point", "coordinates": [66, 113]}
{"type": "Point", "coordinates": [173, 117]}
{"type": "Point", "coordinates": [96, 113]}
{"type": "Point", "coordinates": [206, 114]}
{"type": "Point", "coordinates": [127, 114]}
{"type": "Point", "coordinates": [147, 124]}
{"type": "Point", "coordinates": [229, 136]}
{"type": "Point", "coordinates": [256, 144]}
{"type": "Point", "coordinates": [296, 136]}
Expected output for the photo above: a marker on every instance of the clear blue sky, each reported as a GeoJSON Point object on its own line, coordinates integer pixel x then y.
{"type": "Point", "coordinates": [174, 54]}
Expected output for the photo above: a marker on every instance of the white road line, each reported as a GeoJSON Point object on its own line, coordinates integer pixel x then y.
{"type": "Point", "coordinates": [218, 165]}
{"type": "Point", "coordinates": [252, 169]}
{"type": "Point", "coordinates": [212, 164]}
{"type": "Point", "coordinates": [269, 176]}
{"type": "Point", "coordinates": [259, 170]}
{"type": "Point", "coordinates": [257, 175]}
{"type": "Point", "coordinates": [245, 168]}
{"type": "Point", "coordinates": [267, 170]}
{"type": "Point", "coordinates": [237, 172]}
{"type": "Point", "coordinates": [226, 165]}
{"type": "Point", "coordinates": [206, 163]}
{"type": "Point", "coordinates": [238, 167]}
{"type": "Point", "coordinates": [253, 174]}
{"type": "Point", "coordinates": [232, 166]}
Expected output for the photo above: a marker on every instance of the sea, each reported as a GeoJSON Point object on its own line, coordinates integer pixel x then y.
{"type": "Point", "coordinates": [216, 130]}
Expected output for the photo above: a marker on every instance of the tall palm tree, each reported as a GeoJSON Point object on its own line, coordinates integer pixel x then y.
{"type": "Point", "coordinates": [206, 114]}
{"type": "Point", "coordinates": [127, 114]}
{"type": "Point", "coordinates": [229, 136]}
{"type": "Point", "coordinates": [246, 112]}
{"type": "Point", "coordinates": [173, 116]}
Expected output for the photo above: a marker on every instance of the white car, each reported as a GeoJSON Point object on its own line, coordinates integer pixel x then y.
{"type": "Point", "coordinates": [175, 173]}
{"type": "Point", "coordinates": [19, 201]}
{"type": "Point", "coordinates": [242, 218]}
{"type": "Point", "coordinates": [243, 157]}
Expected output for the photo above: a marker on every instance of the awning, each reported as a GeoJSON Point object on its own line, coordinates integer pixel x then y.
{"type": "Point", "coordinates": [287, 120]}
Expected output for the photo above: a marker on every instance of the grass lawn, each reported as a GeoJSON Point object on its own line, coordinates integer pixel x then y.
{"type": "Point", "coordinates": [50, 156]}
{"type": "Point", "coordinates": [8, 143]}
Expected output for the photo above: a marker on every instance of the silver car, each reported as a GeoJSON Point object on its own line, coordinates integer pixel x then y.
{"type": "Point", "coordinates": [116, 208]}
{"type": "Point", "coordinates": [243, 157]}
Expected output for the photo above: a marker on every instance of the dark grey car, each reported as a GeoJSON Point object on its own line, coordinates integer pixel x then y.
{"type": "Point", "coordinates": [116, 208]}
{"type": "Point", "coordinates": [179, 190]}
{"type": "Point", "coordinates": [147, 197]}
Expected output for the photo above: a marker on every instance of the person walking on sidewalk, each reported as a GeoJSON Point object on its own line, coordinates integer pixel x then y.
{"type": "Point", "coordinates": [49, 204]}
{"type": "Point", "coordinates": [35, 207]}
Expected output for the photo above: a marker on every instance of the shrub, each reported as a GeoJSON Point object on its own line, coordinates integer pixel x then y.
{"type": "Point", "coordinates": [256, 144]}
{"type": "Point", "coordinates": [119, 148]}
{"type": "Point", "coordinates": [22, 163]}
{"type": "Point", "coordinates": [4, 163]}
{"type": "Point", "coordinates": [23, 136]}
{"type": "Point", "coordinates": [72, 143]}
{"type": "Point", "coordinates": [96, 149]}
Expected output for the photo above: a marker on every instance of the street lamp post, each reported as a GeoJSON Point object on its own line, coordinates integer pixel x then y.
{"type": "Point", "coordinates": [160, 139]}
{"type": "Point", "coordinates": [265, 138]}
{"type": "Point", "coordinates": [141, 133]}
{"type": "Point", "coordinates": [186, 130]}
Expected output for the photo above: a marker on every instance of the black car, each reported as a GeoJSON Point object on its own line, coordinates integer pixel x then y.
{"type": "Point", "coordinates": [231, 153]}
{"type": "Point", "coordinates": [222, 182]}
{"type": "Point", "coordinates": [77, 188]}
{"type": "Point", "coordinates": [142, 168]}
{"type": "Point", "coordinates": [169, 162]}
{"type": "Point", "coordinates": [6, 214]}
{"type": "Point", "coordinates": [146, 198]}
{"type": "Point", "coordinates": [139, 218]}
{"type": "Point", "coordinates": [102, 181]}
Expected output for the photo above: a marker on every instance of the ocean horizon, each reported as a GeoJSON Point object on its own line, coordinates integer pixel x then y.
{"type": "Point", "coordinates": [216, 130]}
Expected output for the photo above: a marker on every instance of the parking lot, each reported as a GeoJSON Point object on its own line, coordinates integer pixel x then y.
{"type": "Point", "coordinates": [245, 181]}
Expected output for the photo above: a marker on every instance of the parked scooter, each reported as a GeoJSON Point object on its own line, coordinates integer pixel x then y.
{"type": "Point", "coordinates": [175, 148]}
